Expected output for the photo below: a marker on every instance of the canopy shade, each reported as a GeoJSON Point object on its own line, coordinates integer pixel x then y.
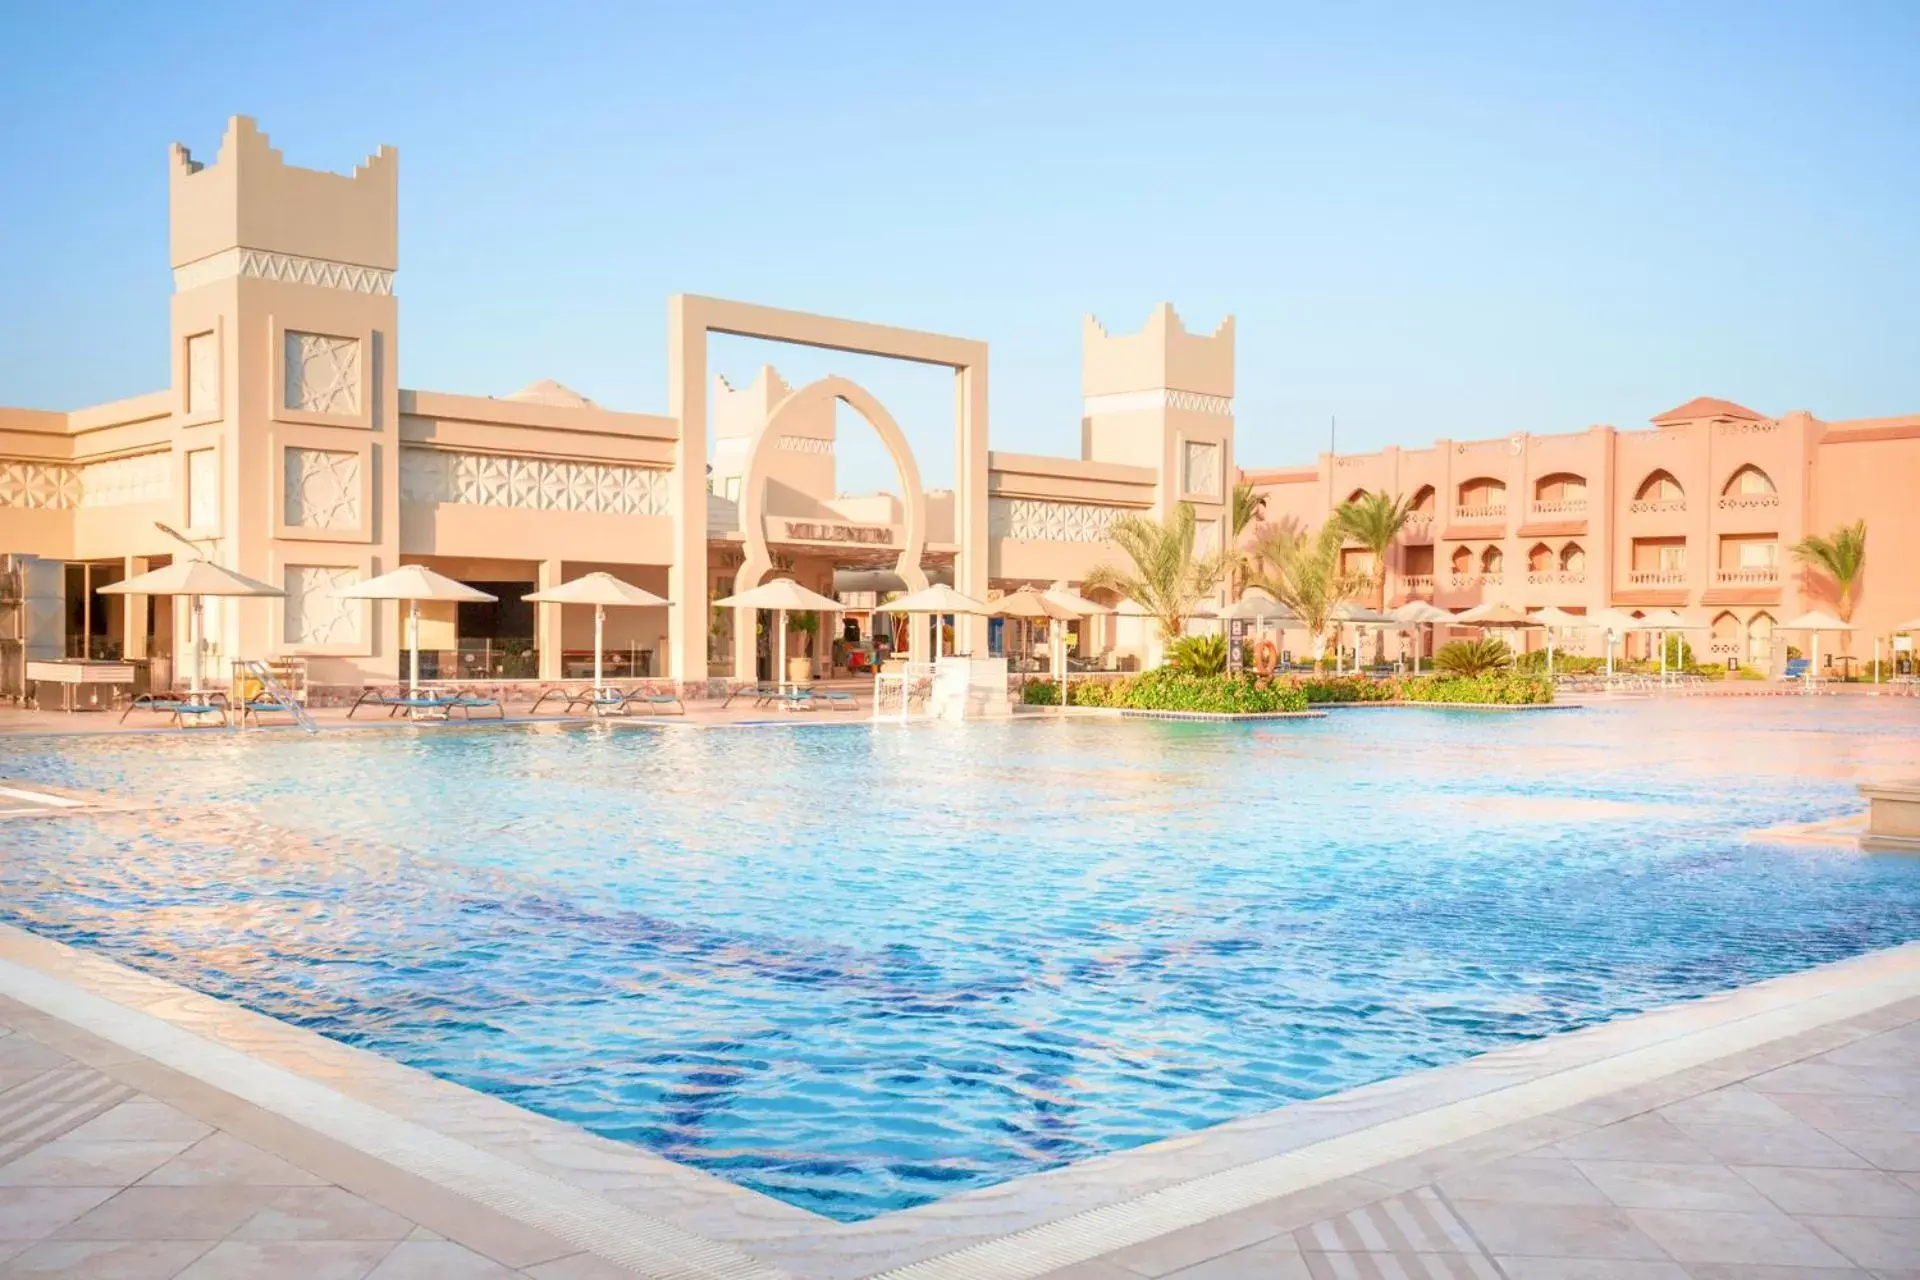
{"type": "Point", "coordinates": [1359, 615]}
{"type": "Point", "coordinates": [1554, 616]}
{"type": "Point", "coordinates": [412, 582]}
{"type": "Point", "coordinates": [1255, 605]}
{"type": "Point", "coordinates": [190, 578]}
{"type": "Point", "coordinates": [781, 593]}
{"type": "Point", "coordinates": [1495, 615]}
{"type": "Point", "coordinates": [1818, 620]}
{"type": "Point", "coordinates": [1028, 603]}
{"type": "Point", "coordinates": [601, 589]}
{"type": "Point", "coordinates": [1061, 593]}
{"type": "Point", "coordinates": [936, 599]}
{"type": "Point", "coordinates": [1911, 624]}
{"type": "Point", "coordinates": [1419, 611]}
{"type": "Point", "coordinates": [1668, 620]}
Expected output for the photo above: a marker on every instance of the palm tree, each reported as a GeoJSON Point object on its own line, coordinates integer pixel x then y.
{"type": "Point", "coordinates": [1304, 574]}
{"type": "Point", "coordinates": [1374, 520]}
{"type": "Point", "coordinates": [1841, 557]}
{"type": "Point", "coordinates": [1248, 505]}
{"type": "Point", "coordinates": [1167, 578]}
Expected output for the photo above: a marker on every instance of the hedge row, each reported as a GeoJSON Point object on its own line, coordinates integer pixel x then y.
{"type": "Point", "coordinates": [1163, 689]}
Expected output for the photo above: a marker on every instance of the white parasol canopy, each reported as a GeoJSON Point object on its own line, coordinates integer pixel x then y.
{"type": "Point", "coordinates": [1028, 603]}
{"type": "Point", "coordinates": [783, 596]}
{"type": "Point", "coordinates": [938, 600]}
{"type": "Point", "coordinates": [413, 583]}
{"type": "Point", "coordinates": [600, 590]}
{"type": "Point", "coordinates": [193, 579]}
{"type": "Point", "coordinates": [1814, 621]}
{"type": "Point", "coordinates": [1061, 593]}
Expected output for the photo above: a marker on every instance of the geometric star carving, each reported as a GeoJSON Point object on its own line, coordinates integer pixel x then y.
{"type": "Point", "coordinates": [323, 373]}
{"type": "Point", "coordinates": [322, 489]}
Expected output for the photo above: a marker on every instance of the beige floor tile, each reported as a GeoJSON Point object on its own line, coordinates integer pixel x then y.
{"type": "Point", "coordinates": [105, 1259]}
{"type": "Point", "coordinates": [1647, 1185]}
{"type": "Point", "coordinates": [1178, 1250]}
{"type": "Point", "coordinates": [1863, 1192]}
{"type": "Point", "coordinates": [322, 1213]}
{"type": "Point", "coordinates": [1524, 1180]}
{"type": "Point", "coordinates": [142, 1119]}
{"type": "Point", "coordinates": [1871, 1242]}
{"type": "Point", "coordinates": [1590, 1269]}
{"type": "Point", "coordinates": [1274, 1259]}
{"type": "Point", "coordinates": [1893, 1151]}
{"type": "Point", "coordinates": [1828, 1077]}
{"type": "Point", "coordinates": [584, 1266]}
{"type": "Point", "coordinates": [168, 1213]}
{"type": "Point", "coordinates": [1771, 1238]}
{"type": "Point", "coordinates": [1740, 1271]}
{"type": "Point", "coordinates": [1417, 1221]}
{"type": "Point", "coordinates": [275, 1259]}
{"type": "Point", "coordinates": [79, 1162]}
{"type": "Point", "coordinates": [1095, 1270]}
{"type": "Point", "coordinates": [1641, 1138]}
{"type": "Point", "coordinates": [1797, 1145]}
{"type": "Point", "coordinates": [221, 1159]}
{"type": "Point", "coordinates": [1556, 1231]}
{"type": "Point", "coordinates": [1830, 1111]}
{"type": "Point", "coordinates": [1386, 1266]}
{"type": "Point", "coordinates": [1727, 1106]}
{"type": "Point", "coordinates": [437, 1260]}
{"type": "Point", "coordinates": [28, 1213]}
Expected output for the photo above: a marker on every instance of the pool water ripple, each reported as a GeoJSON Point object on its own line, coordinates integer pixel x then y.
{"type": "Point", "coordinates": [860, 969]}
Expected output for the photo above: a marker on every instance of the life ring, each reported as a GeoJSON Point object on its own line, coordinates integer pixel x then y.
{"type": "Point", "coordinates": [1266, 656]}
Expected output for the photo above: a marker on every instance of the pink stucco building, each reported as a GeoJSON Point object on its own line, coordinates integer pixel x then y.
{"type": "Point", "coordinates": [1695, 514]}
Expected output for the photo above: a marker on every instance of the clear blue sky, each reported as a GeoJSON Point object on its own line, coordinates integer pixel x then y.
{"type": "Point", "coordinates": [1430, 220]}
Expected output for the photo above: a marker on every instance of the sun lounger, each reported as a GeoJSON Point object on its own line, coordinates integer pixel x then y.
{"type": "Point", "coordinates": [169, 705]}
{"type": "Point", "coordinates": [838, 700]}
{"type": "Point", "coordinates": [656, 704]}
{"type": "Point", "coordinates": [250, 712]}
{"type": "Point", "coordinates": [601, 702]}
{"type": "Point", "coordinates": [756, 691]}
{"type": "Point", "coordinates": [193, 715]}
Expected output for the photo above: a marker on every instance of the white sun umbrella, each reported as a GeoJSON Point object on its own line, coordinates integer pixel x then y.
{"type": "Point", "coordinates": [413, 583]}
{"type": "Point", "coordinates": [1813, 622]}
{"type": "Point", "coordinates": [600, 590]}
{"type": "Point", "coordinates": [1555, 619]}
{"type": "Point", "coordinates": [1496, 616]}
{"type": "Point", "coordinates": [1028, 603]}
{"type": "Point", "coordinates": [1612, 623]}
{"type": "Point", "coordinates": [782, 595]}
{"type": "Point", "coordinates": [1417, 614]}
{"type": "Point", "coordinates": [193, 579]}
{"type": "Point", "coordinates": [1665, 621]}
{"type": "Point", "coordinates": [938, 600]}
{"type": "Point", "coordinates": [1360, 617]}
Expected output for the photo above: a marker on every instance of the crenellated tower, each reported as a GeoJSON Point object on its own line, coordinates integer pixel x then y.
{"type": "Point", "coordinates": [1163, 398]}
{"type": "Point", "coordinates": [285, 359]}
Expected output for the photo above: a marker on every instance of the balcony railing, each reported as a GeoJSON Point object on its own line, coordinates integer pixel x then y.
{"type": "Point", "coordinates": [1764, 575]}
{"type": "Point", "coordinates": [1418, 583]}
{"type": "Point", "coordinates": [1655, 506]}
{"type": "Point", "coordinates": [1561, 507]}
{"type": "Point", "coordinates": [1556, 577]}
{"type": "Point", "coordinates": [1479, 579]}
{"type": "Point", "coordinates": [1657, 578]}
{"type": "Point", "coordinates": [1418, 528]}
{"type": "Point", "coordinates": [1748, 501]}
{"type": "Point", "coordinates": [1481, 513]}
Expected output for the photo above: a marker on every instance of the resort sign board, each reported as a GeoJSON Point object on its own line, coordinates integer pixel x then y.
{"type": "Point", "coordinates": [815, 531]}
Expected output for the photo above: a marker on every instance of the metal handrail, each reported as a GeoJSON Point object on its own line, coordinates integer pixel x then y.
{"type": "Point", "coordinates": [271, 683]}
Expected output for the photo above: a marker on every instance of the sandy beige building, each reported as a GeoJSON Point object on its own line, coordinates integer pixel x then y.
{"type": "Point", "coordinates": [287, 447]}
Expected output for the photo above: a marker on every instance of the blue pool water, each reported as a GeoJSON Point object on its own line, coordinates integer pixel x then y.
{"type": "Point", "coordinates": [860, 968]}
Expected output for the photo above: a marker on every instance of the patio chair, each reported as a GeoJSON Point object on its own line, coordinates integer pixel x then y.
{"type": "Point", "coordinates": [1795, 668]}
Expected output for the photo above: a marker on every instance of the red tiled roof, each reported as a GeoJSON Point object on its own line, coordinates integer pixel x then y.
{"type": "Point", "coordinates": [1707, 407]}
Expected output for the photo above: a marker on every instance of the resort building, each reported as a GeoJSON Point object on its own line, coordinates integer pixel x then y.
{"type": "Point", "coordinates": [287, 447]}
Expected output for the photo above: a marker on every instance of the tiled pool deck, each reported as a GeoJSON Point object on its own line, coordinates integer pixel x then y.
{"type": "Point", "coordinates": [1772, 1132]}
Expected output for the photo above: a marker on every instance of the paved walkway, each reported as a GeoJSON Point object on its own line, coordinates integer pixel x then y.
{"type": "Point", "coordinates": [1794, 1157]}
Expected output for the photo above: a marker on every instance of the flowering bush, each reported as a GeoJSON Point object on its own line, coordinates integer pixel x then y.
{"type": "Point", "coordinates": [1165, 689]}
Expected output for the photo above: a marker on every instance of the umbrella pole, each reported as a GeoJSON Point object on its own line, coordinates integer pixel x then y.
{"type": "Point", "coordinates": [197, 624]}
{"type": "Point", "coordinates": [1549, 653]}
{"type": "Point", "coordinates": [413, 648]}
{"type": "Point", "coordinates": [780, 672]}
{"type": "Point", "coordinates": [599, 629]}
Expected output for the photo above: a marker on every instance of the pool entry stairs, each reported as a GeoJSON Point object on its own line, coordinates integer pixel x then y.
{"type": "Point", "coordinates": [260, 671]}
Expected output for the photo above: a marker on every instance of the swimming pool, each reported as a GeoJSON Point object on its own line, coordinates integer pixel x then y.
{"type": "Point", "coordinates": [859, 968]}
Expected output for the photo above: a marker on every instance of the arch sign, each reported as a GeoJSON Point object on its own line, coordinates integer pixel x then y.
{"type": "Point", "coordinates": [690, 319]}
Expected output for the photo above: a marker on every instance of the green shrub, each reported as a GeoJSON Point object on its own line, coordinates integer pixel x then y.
{"type": "Point", "coordinates": [1347, 689]}
{"type": "Point", "coordinates": [1473, 657]}
{"type": "Point", "coordinates": [1165, 689]}
{"type": "Point", "coordinates": [1198, 655]}
{"type": "Point", "coordinates": [1679, 652]}
{"type": "Point", "coordinates": [1564, 664]}
{"type": "Point", "coordinates": [1494, 688]}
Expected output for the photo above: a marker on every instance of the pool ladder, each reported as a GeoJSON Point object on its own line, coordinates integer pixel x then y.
{"type": "Point", "coordinates": [271, 683]}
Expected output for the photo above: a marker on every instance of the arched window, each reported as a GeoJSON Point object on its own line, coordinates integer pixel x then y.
{"type": "Point", "coordinates": [1484, 496]}
{"type": "Point", "coordinates": [1660, 487]}
{"type": "Point", "coordinates": [1356, 495]}
{"type": "Point", "coordinates": [1749, 482]}
{"type": "Point", "coordinates": [1540, 559]}
{"type": "Point", "coordinates": [1726, 633]}
{"type": "Point", "coordinates": [1759, 638]}
{"type": "Point", "coordinates": [1462, 560]}
{"type": "Point", "coordinates": [1561, 487]}
{"type": "Point", "coordinates": [1423, 500]}
{"type": "Point", "coordinates": [1573, 558]}
{"type": "Point", "coordinates": [1491, 561]}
